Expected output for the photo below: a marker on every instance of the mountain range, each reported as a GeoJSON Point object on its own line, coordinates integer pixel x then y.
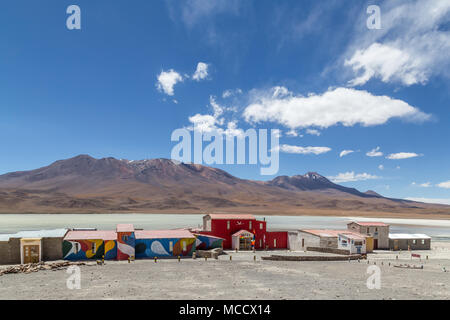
{"type": "Point", "coordinates": [84, 184]}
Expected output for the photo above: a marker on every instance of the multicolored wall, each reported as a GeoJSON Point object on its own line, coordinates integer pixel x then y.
{"type": "Point", "coordinates": [167, 247]}
{"type": "Point", "coordinates": [83, 249]}
{"type": "Point", "coordinates": [126, 242]}
{"type": "Point", "coordinates": [205, 242]}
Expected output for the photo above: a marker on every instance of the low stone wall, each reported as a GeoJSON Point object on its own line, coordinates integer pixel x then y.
{"type": "Point", "coordinates": [313, 258]}
{"type": "Point", "coordinates": [214, 253]}
{"type": "Point", "coordinates": [329, 250]}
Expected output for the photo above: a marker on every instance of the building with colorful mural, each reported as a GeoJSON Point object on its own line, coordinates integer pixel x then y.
{"type": "Point", "coordinates": [90, 244]}
{"type": "Point", "coordinates": [126, 241]}
{"type": "Point", "coordinates": [164, 243]}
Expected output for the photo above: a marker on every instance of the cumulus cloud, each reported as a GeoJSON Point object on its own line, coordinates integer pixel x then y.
{"type": "Point", "coordinates": [167, 80]}
{"type": "Point", "coordinates": [402, 155]}
{"type": "Point", "coordinates": [344, 106]}
{"type": "Point", "coordinates": [345, 152]}
{"type": "Point", "coordinates": [292, 133]}
{"type": "Point", "coordinates": [375, 153]}
{"type": "Point", "coordinates": [303, 150]}
{"type": "Point", "coordinates": [381, 167]}
{"type": "Point", "coordinates": [351, 177]}
{"type": "Point", "coordinates": [445, 185]}
{"type": "Point", "coordinates": [412, 45]}
{"type": "Point", "coordinates": [201, 72]}
{"type": "Point", "coordinates": [313, 132]}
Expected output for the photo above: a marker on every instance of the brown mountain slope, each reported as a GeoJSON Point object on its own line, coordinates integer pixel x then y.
{"type": "Point", "coordinates": [84, 184]}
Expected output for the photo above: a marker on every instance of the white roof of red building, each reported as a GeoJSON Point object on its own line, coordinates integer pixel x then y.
{"type": "Point", "coordinates": [227, 216]}
{"type": "Point", "coordinates": [161, 234]}
{"type": "Point", "coordinates": [370, 224]}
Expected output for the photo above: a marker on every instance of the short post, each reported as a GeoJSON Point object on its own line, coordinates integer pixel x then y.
{"type": "Point", "coordinates": [206, 258]}
{"type": "Point", "coordinates": [254, 258]}
{"type": "Point", "coordinates": [231, 258]}
{"type": "Point", "coordinates": [128, 259]}
{"type": "Point", "coordinates": [179, 258]}
{"type": "Point", "coordinates": [156, 259]}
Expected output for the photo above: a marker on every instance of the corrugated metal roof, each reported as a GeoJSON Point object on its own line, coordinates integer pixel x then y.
{"type": "Point", "coordinates": [161, 234]}
{"type": "Point", "coordinates": [408, 236]}
{"type": "Point", "coordinates": [91, 235]}
{"type": "Point", "coordinates": [232, 216]}
{"type": "Point", "coordinates": [125, 228]}
{"type": "Point", "coordinates": [53, 233]}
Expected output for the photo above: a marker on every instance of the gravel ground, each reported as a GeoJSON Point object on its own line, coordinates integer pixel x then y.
{"type": "Point", "coordinates": [243, 278]}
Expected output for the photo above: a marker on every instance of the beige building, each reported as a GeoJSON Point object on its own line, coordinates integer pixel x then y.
{"type": "Point", "coordinates": [379, 231]}
{"type": "Point", "coordinates": [31, 246]}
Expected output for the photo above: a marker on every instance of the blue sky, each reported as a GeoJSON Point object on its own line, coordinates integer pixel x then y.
{"type": "Point", "coordinates": [311, 69]}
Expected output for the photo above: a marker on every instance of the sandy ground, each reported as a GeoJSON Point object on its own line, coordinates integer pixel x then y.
{"type": "Point", "coordinates": [243, 278]}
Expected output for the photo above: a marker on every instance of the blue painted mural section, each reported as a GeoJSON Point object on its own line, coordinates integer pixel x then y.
{"type": "Point", "coordinates": [205, 242]}
{"type": "Point", "coordinates": [168, 247]}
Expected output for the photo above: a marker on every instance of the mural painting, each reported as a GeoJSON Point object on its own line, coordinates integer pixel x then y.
{"type": "Point", "coordinates": [205, 242]}
{"type": "Point", "coordinates": [125, 245]}
{"type": "Point", "coordinates": [150, 248]}
{"type": "Point", "coordinates": [83, 249]}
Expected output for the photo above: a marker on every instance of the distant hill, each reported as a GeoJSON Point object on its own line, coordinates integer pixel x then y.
{"type": "Point", "coordinates": [85, 184]}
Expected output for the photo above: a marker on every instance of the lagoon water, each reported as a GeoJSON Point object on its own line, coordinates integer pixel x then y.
{"type": "Point", "coordinates": [11, 223]}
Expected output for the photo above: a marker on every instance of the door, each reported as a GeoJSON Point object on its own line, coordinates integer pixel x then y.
{"type": "Point", "coordinates": [303, 243]}
{"type": "Point", "coordinates": [30, 254]}
{"type": "Point", "coordinates": [358, 250]}
{"type": "Point", "coordinates": [375, 244]}
{"type": "Point", "coordinates": [395, 245]}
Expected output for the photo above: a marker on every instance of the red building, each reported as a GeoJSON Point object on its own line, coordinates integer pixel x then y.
{"type": "Point", "coordinates": [228, 226]}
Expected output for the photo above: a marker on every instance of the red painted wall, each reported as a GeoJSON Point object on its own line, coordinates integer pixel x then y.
{"type": "Point", "coordinates": [219, 228]}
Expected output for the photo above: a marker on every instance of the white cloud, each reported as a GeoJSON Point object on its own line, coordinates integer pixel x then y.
{"type": "Point", "coordinates": [303, 150]}
{"type": "Point", "coordinates": [196, 11]}
{"type": "Point", "coordinates": [292, 133]}
{"type": "Point", "coordinates": [375, 153]}
{"type": "Point", "coordinates": [381, 167]}
{"type": "Point", "coordinates": [430, 200]}
{"type": "Point", "coordinates": [345, 152]}
{"type": "Point", "coordinates": [445, 185]}
{"type": "Point", "coordinates": [351, 177]}
{"type": "Point", "coordinates": [228, 93]}
{"type": "Point", "coordinates": [313, 132]}
{"type": "Point", "coordinates": [201, 72]}
{"type": "Point", "coordinates": [402, 155]}
{"type": "Point", "coordinates": [410, 47]}
{"type": "Point", "coordinates": [203, 122]}
{"type": "Point", "coordinates": [423, 185]}
{"type": "Point", "coordinates": [167, 80]}
{"type": "Point", "coordinates": [344, 106]}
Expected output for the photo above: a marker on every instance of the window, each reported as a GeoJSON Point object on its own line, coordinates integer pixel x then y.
{"type": "Point", "coordinates": [260, 243]}
{"type": "Point", "coordinates": [170, 246]}
{"type": "Point", "coordinates": [423, 241]}
{"type": "Point", "coordinates": [414, 241]}
{"type": "Point", "coordinates": [261, 226]}
{"type": "Point", "coordinates": [250, 225]}
{"type": "Point", "coordinates": [125, 238]}
{"type": "Point", "coordinates": [77, 247]}
{"type": "Point", "coordinates": [93, 247]}
{"type": "Point", "coordinates": [184, 245]}
{"type": "Point", "coordinates": [228, 225]}
{"type": "Point", "coordinates": [367, 230]}
{"type": "Point", "coordinates": [274, 243]}
{"type": "Point", "coordinates": [376, 229]}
